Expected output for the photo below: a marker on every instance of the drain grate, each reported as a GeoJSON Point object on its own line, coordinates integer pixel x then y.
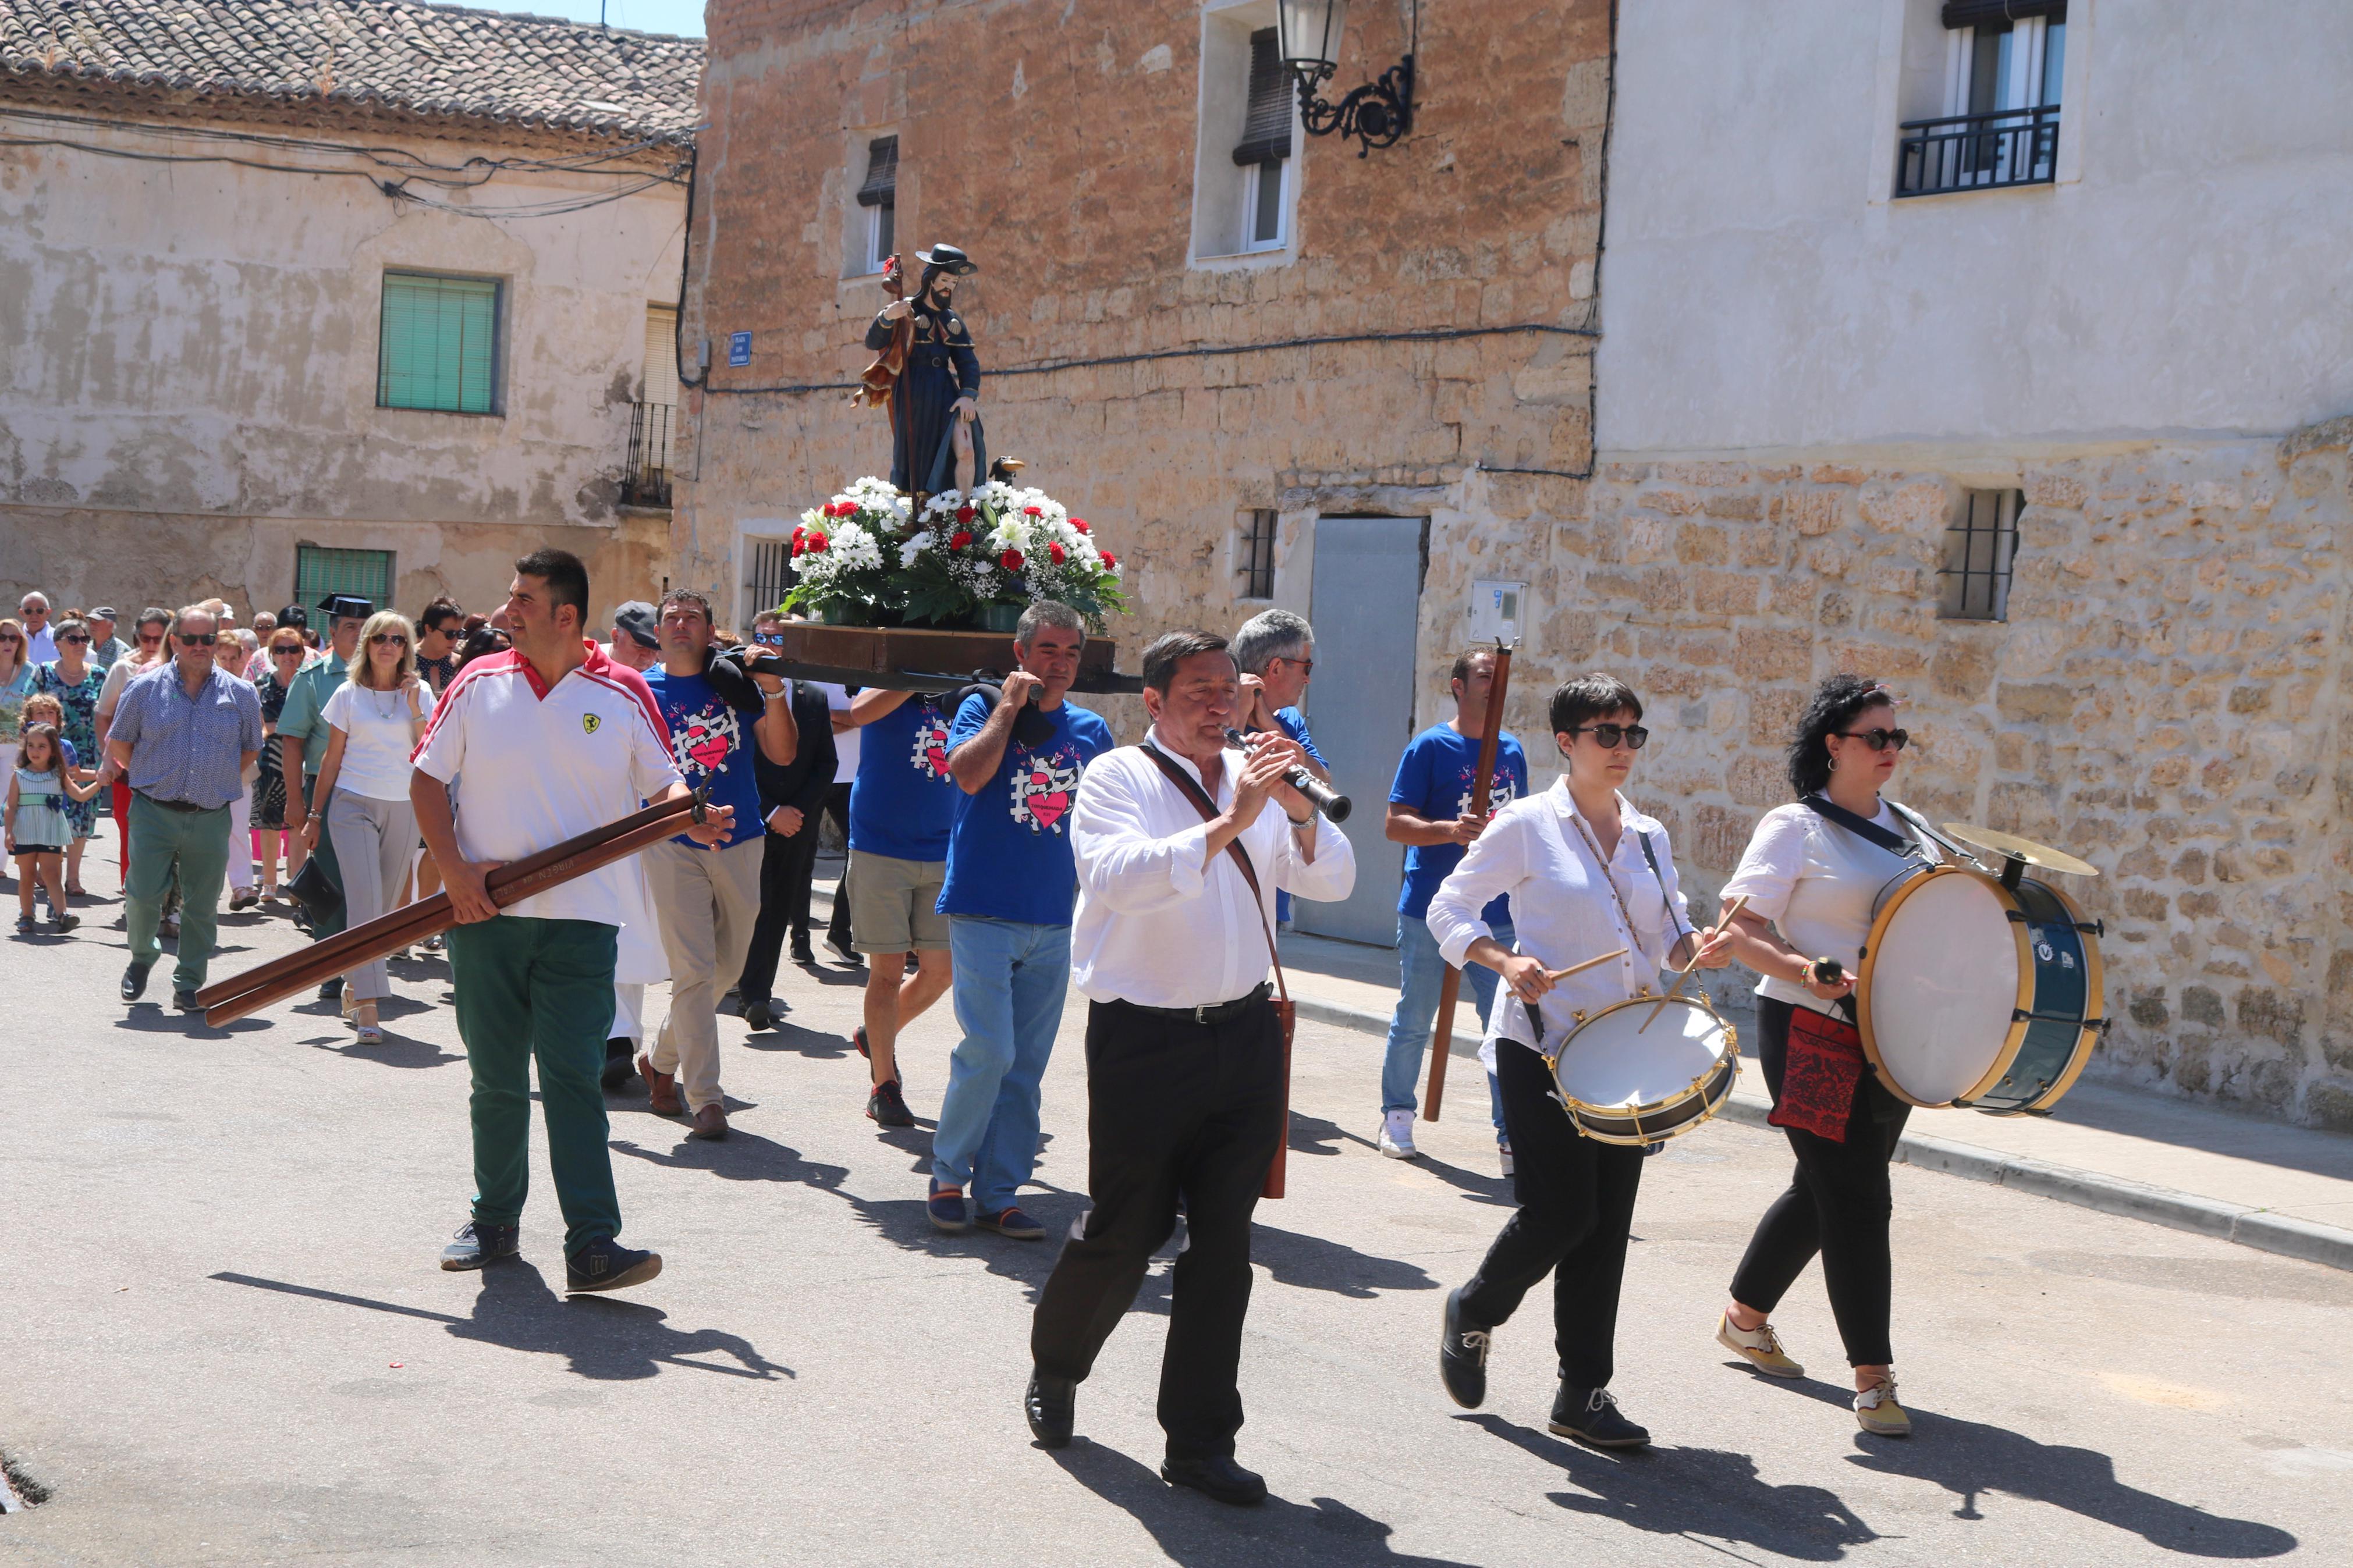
{"type": "Point", "coordinates": [18, 1489]}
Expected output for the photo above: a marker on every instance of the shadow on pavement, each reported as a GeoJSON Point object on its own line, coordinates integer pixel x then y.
{"type": "Point", "coordinates": [1703, 1493]}
{"type": "Point", "coordinates": [154, 1018]}
{"type": "Point", "coordinates": [1969, 1457]}
{"type": "Point", "coordinates": [604, 1337]}
{"type": "Point", "coordinates": [1198, 1533]}
{"type": "Point", "coordinates": [788, 1037]}
{"type": "Point", "coordinates": [1313, 1263]}
{"type": "Point", "coordinates": [397, 1051]}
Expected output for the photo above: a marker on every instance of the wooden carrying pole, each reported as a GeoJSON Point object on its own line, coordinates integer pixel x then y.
{"type": "Point", "coordinates": [1442, 1040]}
{"type": "Point", "coordinates": [246, 993]}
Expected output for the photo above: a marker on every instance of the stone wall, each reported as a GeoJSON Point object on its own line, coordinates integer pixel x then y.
{"type": "Point", "coordinates": [2165, 700]}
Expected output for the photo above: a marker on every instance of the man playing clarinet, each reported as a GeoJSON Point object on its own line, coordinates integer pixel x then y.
{"type": "Point", "coordinates": [1180, 843]}
{"type": "Point", "coordinates": [527, 749]}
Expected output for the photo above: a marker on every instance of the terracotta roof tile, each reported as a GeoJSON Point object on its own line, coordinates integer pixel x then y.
{"type": "Point", "coordinates": [394, 55]}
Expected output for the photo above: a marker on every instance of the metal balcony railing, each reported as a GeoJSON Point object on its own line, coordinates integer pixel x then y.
{"type": "Point", "coordinates": [1979, 152]}
{"type": "Point", "coordinates": [646, 480]}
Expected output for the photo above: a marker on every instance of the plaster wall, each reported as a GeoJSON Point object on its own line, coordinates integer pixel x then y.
{"type": "Point", "coordinates": [191, 384]}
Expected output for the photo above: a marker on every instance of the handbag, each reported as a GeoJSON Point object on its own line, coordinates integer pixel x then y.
{"type": "Point", "coordinates": [321, 896]}
{"type": "Point", "coordinates": [1285, 1015]}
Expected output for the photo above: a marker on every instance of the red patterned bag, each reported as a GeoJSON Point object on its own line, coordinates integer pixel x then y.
{"type": "Point", "coordinates": [1818, 1075]}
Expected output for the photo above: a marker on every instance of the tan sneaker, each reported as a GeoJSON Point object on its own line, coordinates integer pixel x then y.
{"type": "Point", "coordinates": [1760, 1347]}
{"type": "Point", "coordinates": [1876, 1412]}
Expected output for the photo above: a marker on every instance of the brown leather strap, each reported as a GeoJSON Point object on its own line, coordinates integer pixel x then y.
{"type": "Point", "coordinates": [1209, 810]}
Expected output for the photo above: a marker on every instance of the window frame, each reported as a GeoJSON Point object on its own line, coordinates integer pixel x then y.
{"type": "Point", "coordinates": [1222, 216]}
{"type": "Point", "coordinates": [1960, 600]}
{"type": "Point", "coordinates": [1254, 548]}
{"type": "Point", "coordinates": [308, 593]}
{"type": "Point", "coordinates": [1253, 190]}
{"type": "Point", "coordinates": [497, 399]}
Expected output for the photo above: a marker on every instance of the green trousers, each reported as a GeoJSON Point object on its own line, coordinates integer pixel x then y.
{"type": "Point", "coordinates": [321, 930]}
{"type": "Point", "coordinates": [196, 843]}
{"type": "Point", "coordinates": [538, 989]}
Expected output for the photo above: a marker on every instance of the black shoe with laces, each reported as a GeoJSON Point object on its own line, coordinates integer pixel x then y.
{"type": "Point", "coordinates": [1219, 1478]}
{"type": "Point", "coordinates": [1462, 1356]}
{"type": "Point", "coordinates": [605, 1265]}
{"type": "Point", "coordinates": [1591, 1416]}
{"type": "Point", "coordinates": [1050, 1404]}
{"type": "Point", "coordinates": [479, 1244]}
{"type": "Point", "coordinates": [887, 1106]}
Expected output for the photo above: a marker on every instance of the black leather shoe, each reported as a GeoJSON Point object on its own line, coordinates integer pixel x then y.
{"type": "Point", "coordinates": [619, 1060]}
{"type": "Point", "coordinates": [479, 1244]}
{"type": "Point", "coordinates": [1590, 1415]}
{"type": "Point", "coordinates": [1462, 1356]}
{"type": "Point", "coordinates": [1219, 1478]}
{"type": "Point", "coordinates": [134, 982]}
{"type": "Point", "coordinates": [758, 1014]}
{"type": "Point", "coordinates": [184, 1000]}
{"type": "Point", "coordinates": [1051, 1405]}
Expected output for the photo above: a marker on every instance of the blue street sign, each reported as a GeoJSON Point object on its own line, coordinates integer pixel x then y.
{"type": "Point", "coordinates": [739, 348]}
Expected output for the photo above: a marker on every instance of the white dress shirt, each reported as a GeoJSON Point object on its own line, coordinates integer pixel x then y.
{"type": "Point", "coordinates": [1820, 884]}
{"type": "Point", "coordinates": [1156, 924]}
{"type": "Point", "coordinates": [1562, 908]}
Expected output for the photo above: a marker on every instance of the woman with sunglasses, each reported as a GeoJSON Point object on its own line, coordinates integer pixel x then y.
{"type": "Point", "coordinates": [16, 677]}
{"type": "Point", "coordinates": [373, 720]}
{"type": "Point", "coordinates": [1813, 869]}
{"type": "Point", "coordinates": [148, 650]}
{"type": "Point", "coordinates": [1587, 874]}
{"type": "Point", "coordinates": [285, 656]}
{"type": "Point", "coordinates": [75, 682]}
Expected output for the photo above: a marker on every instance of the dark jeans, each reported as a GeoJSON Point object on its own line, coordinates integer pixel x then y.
{"type": "Point", "coordinates": [785, 865]}
{"type": "Point", "coordinates": [1175, 1109]}
{"type": "Point", "coordinates": [1838, 1203]}
{"type": "Point", "coordinates": [1577, 1206]}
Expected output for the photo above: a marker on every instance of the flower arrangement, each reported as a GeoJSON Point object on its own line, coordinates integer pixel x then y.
{"type": "Point", "coordinates": [969, 559]}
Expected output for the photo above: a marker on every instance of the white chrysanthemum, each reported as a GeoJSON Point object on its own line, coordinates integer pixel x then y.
{"type": "Point", "coordinates": [853, 547]}
{"type": "Point", "coordinates": [913, 548]}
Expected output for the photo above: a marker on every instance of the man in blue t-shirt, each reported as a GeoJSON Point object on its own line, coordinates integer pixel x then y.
{"type": "Point", "coordinates": [1011, 883]}
{"type": "Point", "coordinates": [900, 807]}
{"type": "Point", "coordinates": [1432, 814]}
{"type": "Point", "coordinates": [1275, 652]}
{"type": "Point", "coordinates": [708, 899]}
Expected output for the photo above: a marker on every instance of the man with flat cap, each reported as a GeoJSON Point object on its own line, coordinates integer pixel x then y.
{"type": "Point", "coordinates": [302, 745]}
{"type": "Point", "coordinates": [940, 388]}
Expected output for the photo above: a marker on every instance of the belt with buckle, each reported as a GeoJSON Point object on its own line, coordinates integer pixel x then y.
{"type": "Point", "coordinates": [187, 806]}
{"type": "Point", "coordinates": [1212, 1012]}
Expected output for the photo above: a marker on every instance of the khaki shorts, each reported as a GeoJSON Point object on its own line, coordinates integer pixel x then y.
{"type": "Point", "coordinates": [894, 904]}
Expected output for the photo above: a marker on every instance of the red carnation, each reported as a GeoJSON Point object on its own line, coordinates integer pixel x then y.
{"type": "Point", "coordinates": [1079, 523]}
{"type": "Point", "coordinates": [1010, 561]}
{"type": "Point", "coordinates": [965, 514]}
{"type": "Point", "coordinates": [1033, 511]}
{"type": "Point", "coordinates": [1109, 561]}
{"type": "Point", "coordinates": [1055, 553]}
{"type": "Point", "coordinates": [798, 532]}
{"type": "Point", "coordinates": [959, 538]}
{"type": "Point", "coordinates": [816, 541]}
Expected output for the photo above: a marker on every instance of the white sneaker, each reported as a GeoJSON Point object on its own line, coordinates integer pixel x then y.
{"type": "Point", "coordinates": [1504, 1156]}
{"type": "Point", "coordinates": [1396, 1135]}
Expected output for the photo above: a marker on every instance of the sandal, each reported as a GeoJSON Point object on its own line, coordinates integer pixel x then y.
{"type": "Point", "coordinates": [363, 1024]}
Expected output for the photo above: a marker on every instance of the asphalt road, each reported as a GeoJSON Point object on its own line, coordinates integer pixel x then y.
{"type": "Point", "coordinates": [228, 1342]}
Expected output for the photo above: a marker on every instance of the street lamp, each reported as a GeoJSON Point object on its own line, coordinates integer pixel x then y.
{"type": "Point", "coordinates": [1379, 113]}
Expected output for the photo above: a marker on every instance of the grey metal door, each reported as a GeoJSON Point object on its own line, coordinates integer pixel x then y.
{"type": "Point", "coordinates": [1367, 603]}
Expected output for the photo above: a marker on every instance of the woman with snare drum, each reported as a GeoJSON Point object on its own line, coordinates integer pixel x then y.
{"type": "Point", "coordinates": [1817, 879]}
{"type": "Point", "coordinates": [1587, 874]}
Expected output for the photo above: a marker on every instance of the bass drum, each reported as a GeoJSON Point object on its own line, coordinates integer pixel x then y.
{"type": "Point", "coordinates": [1978, 992]}
{"type": "Point", "coordinates": [1621, 1083]}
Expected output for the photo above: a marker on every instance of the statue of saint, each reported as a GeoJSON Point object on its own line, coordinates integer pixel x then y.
{"type": "Point", "coordinates": [934, 396]}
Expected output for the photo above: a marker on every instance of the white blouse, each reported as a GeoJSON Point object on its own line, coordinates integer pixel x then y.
{"type": "Point", "coordinates": [1818, 883]}
{"type": "Point", "coordinates": [1562, 908]}
{"type": "Point", "coordinates": [377, 738]}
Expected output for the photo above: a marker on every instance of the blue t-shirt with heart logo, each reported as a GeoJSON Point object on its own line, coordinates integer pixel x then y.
{"type": "Point", "coordinates": [1433, 781]}
{"type": "Point", "coordinates": [1009, 856]}
{"type": "Point", "coordinates": [903, 801]}
{"type": "Point", "coordinates": [713, 745]}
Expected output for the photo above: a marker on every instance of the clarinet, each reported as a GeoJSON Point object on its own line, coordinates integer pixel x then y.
{"type": "Point", "coordinates": [1321, 795]}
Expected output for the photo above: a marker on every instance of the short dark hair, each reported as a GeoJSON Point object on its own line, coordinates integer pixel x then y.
{"type": "Point", "coordinates": [695, 596]}
{"type": "Point", "coordinates": [1834, 704]}
{"type": "Point", "coordinates": [1575, 702]}
{"type": "Point", "coordinates": [567, 578]}
{"type": "Point", "coordinates": [1171, 648]}
{"type": "Point", "coordinates": [1043, 613]}
{"type": "Point", "coordinates": [153, 615]}
{"type": "Point", "coordinates": [440, 610]}
{"type": "Point", "coordinates": [1462, 669]}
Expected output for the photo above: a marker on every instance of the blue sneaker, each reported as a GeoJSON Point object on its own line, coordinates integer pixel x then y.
{"type": "Point", "coordinates": [946, 1208]}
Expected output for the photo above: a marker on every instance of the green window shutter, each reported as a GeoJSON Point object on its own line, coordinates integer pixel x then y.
{"type": "Point", "coordinates": [440, 343]}
{"type": "Point", "coordinates": [320, 571]}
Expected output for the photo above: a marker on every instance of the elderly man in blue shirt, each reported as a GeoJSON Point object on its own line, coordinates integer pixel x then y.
{"type": "Point", "coordinates": [184, 734]}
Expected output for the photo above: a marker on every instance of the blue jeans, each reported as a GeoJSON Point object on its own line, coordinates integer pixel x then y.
{"type": "Point", "coordinates": [1010, 978]}
{"type": "Point", "coordinates": [1421, 973]}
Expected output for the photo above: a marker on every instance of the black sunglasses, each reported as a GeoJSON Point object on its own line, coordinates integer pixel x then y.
{"type": "Point", "coordinates": [1609, 736]}
{"type": "Point", "coordinates": [393, 639]}
{"type": "Point", "coordinates": [1879, 740]}
{"type": "Point", "coordinates": [197, 640]}
{"type": "Point", "coordinates": [75, 642]}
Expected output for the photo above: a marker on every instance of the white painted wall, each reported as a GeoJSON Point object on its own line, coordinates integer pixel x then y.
{"type": "Point", "coordinates": [2187, 275]}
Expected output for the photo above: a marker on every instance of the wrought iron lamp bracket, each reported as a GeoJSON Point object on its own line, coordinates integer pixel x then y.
{"type": "Point", "coordinates": [1378, 114]}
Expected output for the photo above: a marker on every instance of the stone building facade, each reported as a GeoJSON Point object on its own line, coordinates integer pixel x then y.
{"type": "Point", "coordinates": [206, 209]}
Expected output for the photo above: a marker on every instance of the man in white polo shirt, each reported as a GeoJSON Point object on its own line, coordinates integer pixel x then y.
{"type": "Point", "coordinates": [545, 743]}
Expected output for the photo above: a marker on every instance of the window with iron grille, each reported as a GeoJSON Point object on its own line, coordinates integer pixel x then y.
{"type": "Point", "coordinates": [1256, 558]}
{"type": "Point", "coordinates": [2004, 60]}
{"type": "Point", "coordinates": [878, 196]}
{"type": "Point", "coordinates": [320, 571]}
{"type": "Point", "coordinates": [768, 575]}
{"type": "Point", "coordinates": [437, 347]}
{"type": "Point", "coordinates": [1979, 547]}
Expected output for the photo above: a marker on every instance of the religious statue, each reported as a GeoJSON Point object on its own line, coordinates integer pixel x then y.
{"type": "Point", "coordinates": [927, 369]}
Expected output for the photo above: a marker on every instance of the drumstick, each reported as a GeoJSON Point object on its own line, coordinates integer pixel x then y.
{"type": "Point", "coordinates": [1681, 976]}
{"type": "Point", "coordinates": [1581, 968]}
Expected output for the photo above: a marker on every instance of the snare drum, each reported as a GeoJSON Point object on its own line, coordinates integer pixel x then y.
{"type": "Point", "coordinates": [1619, 1087]}
{"type": "Point", "coordinates": [1978, 992]}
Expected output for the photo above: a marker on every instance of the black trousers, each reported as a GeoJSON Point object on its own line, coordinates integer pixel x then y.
{"type": "Point", "coordinates": [1577, 1207]}
{"type": "Point", "coordinates": [836, 806]}
{"type": "Point", "coordinates": [785, 865]}
{"type": "Point", "coordinates": [1173, 1107]}
{"type": "Point", "coordinates": [1838, 1203]}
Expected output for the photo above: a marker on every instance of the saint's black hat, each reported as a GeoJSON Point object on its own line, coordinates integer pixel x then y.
{"type": "Point", "coordinates": [948, 259]}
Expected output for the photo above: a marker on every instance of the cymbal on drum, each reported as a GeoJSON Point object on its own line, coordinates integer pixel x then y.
{"type": "Point", "coordinates": [2017, 848]}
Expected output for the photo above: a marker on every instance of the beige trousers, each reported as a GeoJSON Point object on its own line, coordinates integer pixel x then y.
{"type": "Point", "coordinates": [707, 900]}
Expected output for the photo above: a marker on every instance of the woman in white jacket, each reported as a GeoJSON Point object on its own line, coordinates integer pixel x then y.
{"type": "Point", "coordinates": [1586, 873]}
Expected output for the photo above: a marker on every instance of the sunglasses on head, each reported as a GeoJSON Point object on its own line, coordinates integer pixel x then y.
{"type": "Point", "coordinates": [1879, 740]}
{"type": "Point", "coordinates": [197, 640]}
{"type": "Point", "coordinates": [1607, 735]}
{"type": "Point", "coordinates": [388, 639]}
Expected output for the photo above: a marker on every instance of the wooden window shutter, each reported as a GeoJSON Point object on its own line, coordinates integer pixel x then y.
{"type": "Point", "coordinates": [1978, 13]}
{"type": "Point", "coordinates": [438, 348]}
{"type": "Point", "coordinates": [881, 186]}
{"type": "Point", "coordinates": [1266, 129]}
